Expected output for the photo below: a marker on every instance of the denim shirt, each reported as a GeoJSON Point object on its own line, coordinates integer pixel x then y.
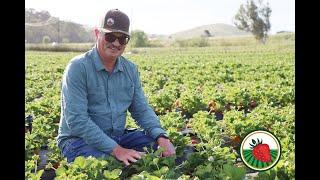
{"type": "Point", "coordinates": [94, 102]}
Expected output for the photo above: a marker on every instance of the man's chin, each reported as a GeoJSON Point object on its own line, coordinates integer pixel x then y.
{"type": "Point", "coordinates": [112, 53]}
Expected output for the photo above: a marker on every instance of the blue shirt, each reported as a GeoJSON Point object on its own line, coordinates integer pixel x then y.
{"type": "Point", "coordinates": [94, 103]}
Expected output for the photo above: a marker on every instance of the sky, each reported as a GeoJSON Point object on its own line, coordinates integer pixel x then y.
{"type": "Point", "coordinates": [164, 16]}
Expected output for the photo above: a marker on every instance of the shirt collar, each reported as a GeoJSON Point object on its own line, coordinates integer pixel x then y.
{"type": "Point", "coordinates": [119, 65]}
{"type": "Point", "coordinates": [99, 65]}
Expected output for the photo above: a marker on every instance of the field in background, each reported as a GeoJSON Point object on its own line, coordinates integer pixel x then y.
{"type": "Point", "coordinates": [221, 92]}
{"type": "Point", "coordinates": [165, 42]}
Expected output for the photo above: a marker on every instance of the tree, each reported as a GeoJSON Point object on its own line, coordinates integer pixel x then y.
{"type": "Point", "coordinates": [207, 33]}
{"type": "Point", "coordinates": [46, 39]}
{"type": "Point", "coordinates": [255, 19]}
{"type": "Point", "coordinates": [139, 39]}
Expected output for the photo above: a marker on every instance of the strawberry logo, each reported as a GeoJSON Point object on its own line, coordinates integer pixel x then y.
{"type": "Point", "coordinates": [258, 155]}
{"type": "Point", "coordinates": [260, 151]}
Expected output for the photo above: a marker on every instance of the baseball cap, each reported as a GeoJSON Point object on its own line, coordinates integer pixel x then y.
{"type": "Point", "coordinates": [115, 21]}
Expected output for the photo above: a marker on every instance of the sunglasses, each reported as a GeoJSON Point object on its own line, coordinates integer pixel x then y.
{"type": "Point", "coordinates": [123, 39]}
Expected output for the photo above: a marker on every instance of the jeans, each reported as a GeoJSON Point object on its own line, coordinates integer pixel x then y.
{"type": "Point", "coordinates": [131, 139]}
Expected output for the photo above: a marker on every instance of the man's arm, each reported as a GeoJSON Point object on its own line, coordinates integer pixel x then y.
{"type": "Point", "coordinates": [145, 116]}
{"type": "Point", "coordinates": [75, 109]}
{"type": "Point", "coordinates": [142, 112]}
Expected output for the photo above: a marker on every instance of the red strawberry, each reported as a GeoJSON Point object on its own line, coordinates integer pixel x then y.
{"type": "Point", "coordinates": [194, 140]}
{"type": "Point", "coordinates": [253, 104]}
{"type": "Point", "coordinates": [261, 151]}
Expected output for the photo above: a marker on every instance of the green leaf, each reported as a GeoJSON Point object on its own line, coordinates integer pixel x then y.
{"type": "Point", "coordinates": [114, 174]}
{"type": "Point", "coordinates": [168, 161]}
{"type": "Point", "coordinates": [39, 173]}
{"type": "Point", "coordinates": [61, 170]}
{"type": "Point", "coordinates": [253, 141]}
{"type": "Point", "coordinates": [236, 173]}
{"type": "Point", "coordinates": [80, 161]}
{"type": "Point", "coordinates": [164, 170]}
{"type": "Point", "coordinates": [155, 160]}
{"type": "Point", "coordinates": [267, 175]}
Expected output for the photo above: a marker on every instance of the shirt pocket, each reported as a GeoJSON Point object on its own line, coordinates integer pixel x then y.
{"type": "Point", "coordinates": [97, 100]}
{"type": "Point", "coordinates": [125, 93]}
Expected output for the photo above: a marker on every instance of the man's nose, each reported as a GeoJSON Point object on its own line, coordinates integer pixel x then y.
{"type": "Point", "coordinates": [116, 42]}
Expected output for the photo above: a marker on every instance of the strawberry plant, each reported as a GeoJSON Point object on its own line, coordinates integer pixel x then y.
{"type": "Point", "coordinates": [162, 101]}
{"type": "Point", "coordinates": [31, 171]}
{"type": "Point", "coordinates": [162, 167]}
{"type": "Point", "coordinates": [191, 102]}
{"type": "Point", "coordinates": [54, 153]}
{"type": "Point", "coordinates": [89, 168]}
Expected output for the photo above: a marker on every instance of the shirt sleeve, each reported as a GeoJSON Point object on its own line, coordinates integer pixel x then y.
{"type": "Point", "coordinates": [75, 109]}
{"type": "Point", "coordinates": [142, 112]}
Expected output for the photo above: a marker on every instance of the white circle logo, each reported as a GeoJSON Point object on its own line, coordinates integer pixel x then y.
{"type": "Point", "coordinates": [260, 150]}
{"type": "Point", "coordinates": [110, 22]}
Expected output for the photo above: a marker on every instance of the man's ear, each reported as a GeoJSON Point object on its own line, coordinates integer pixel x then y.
{"type": "Point", "coordinates": [96, 32]}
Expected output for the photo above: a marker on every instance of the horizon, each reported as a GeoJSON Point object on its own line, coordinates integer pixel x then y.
{"type": "Point", "coordinates": [142, 13]}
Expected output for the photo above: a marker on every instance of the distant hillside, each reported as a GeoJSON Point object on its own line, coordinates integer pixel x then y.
{"type": "Point", "coordinates": [212, 30]}
{"type": "Point", "coordinates": [40, 25]}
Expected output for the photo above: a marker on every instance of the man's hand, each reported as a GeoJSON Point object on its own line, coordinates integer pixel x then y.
{"type": "Point", "coordinates": [126, 155]}
{"type": "Point", "coordinates": [169, 149]}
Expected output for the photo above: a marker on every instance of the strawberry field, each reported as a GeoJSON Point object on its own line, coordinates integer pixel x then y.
{"type": "Point", "coordinates": [207, 99]}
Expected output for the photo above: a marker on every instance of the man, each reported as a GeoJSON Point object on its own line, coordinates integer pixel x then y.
{"type": "Point", "coordinates": [98, 88]}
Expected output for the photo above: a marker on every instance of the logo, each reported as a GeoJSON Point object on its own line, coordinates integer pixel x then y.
{"type": "Point", "coordinates": [260, 150]}
{"type": "Point", "coordinates": [110, 22]}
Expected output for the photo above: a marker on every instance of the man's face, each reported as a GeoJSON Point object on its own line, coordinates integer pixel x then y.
{"type": "Point", "coordinates": [111, 45]}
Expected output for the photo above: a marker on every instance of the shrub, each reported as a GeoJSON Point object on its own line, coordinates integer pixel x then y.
{"type": "Point", "coordinates": [46, 39]}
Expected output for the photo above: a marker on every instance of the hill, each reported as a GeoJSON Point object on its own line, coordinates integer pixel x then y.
{"type": "Point", "coordinates": [211, 30]}
{"type": "Point", "coordinates": [40, 25]}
